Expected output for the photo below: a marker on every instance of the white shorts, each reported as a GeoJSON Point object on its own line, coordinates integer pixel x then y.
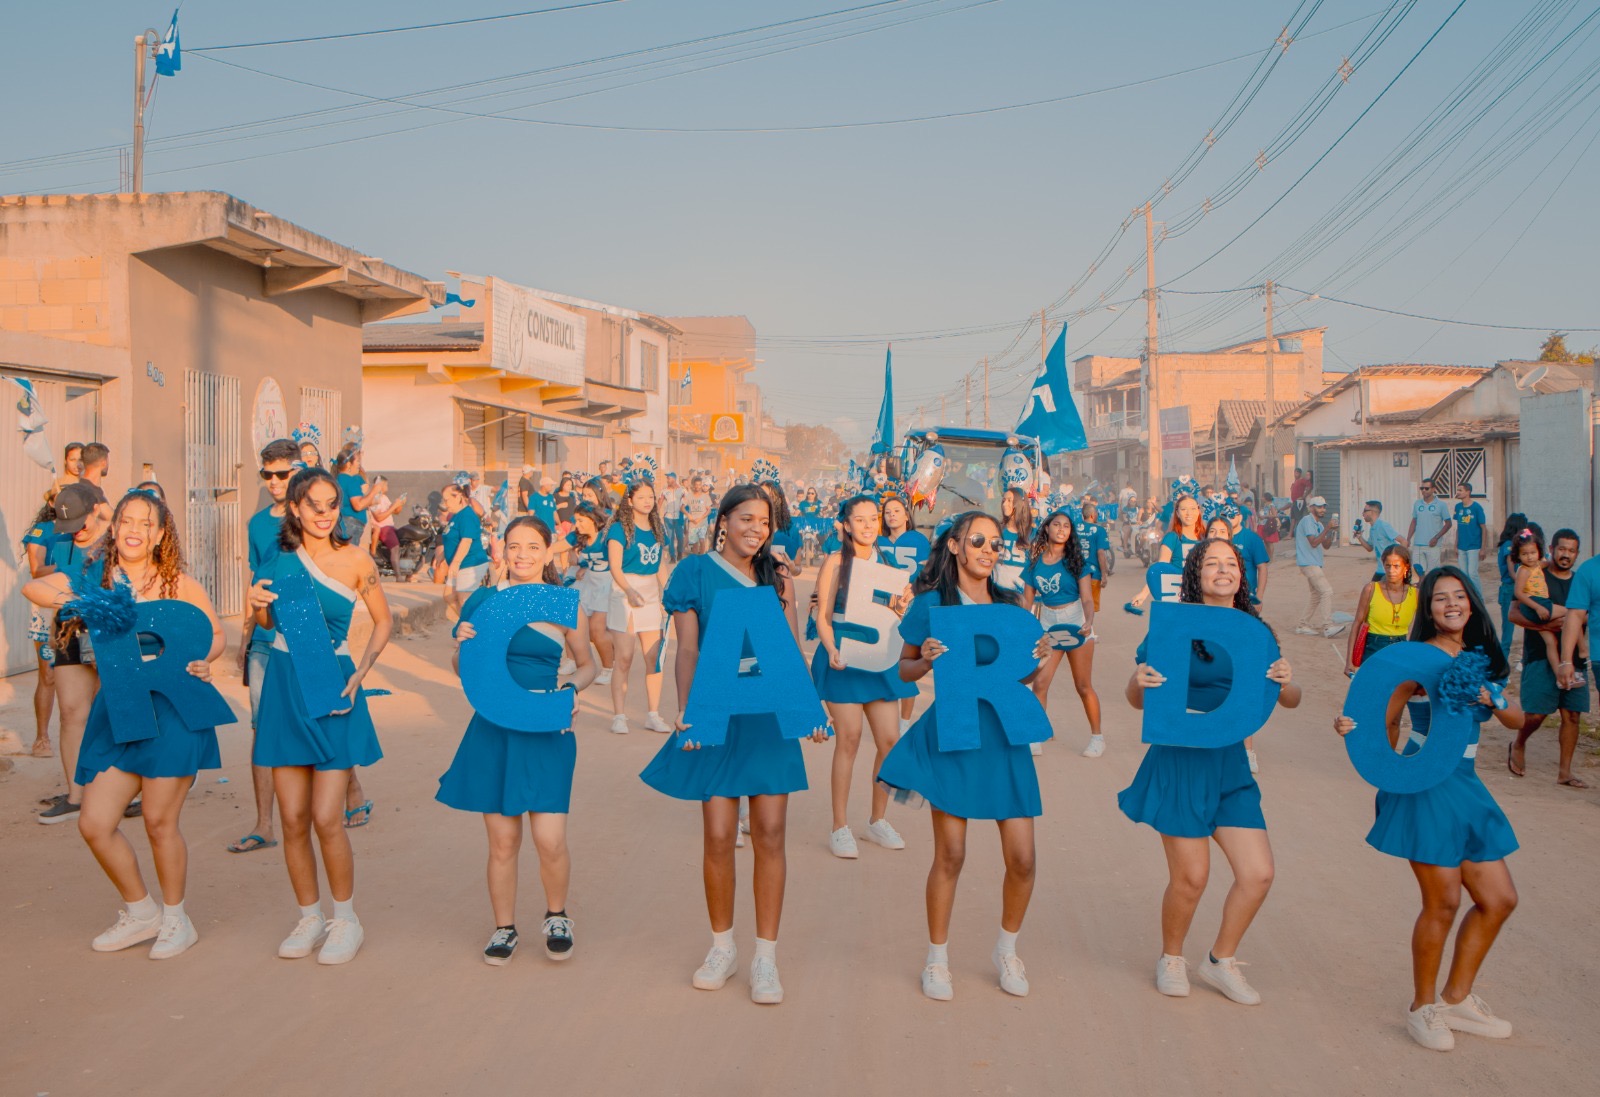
{"type": "Point", "coordinates": [1063, 620]}
{"type": "Point", "coordinates": [594, 591]}
{"type": "Point", "coordinates": [650, 617]}
{"type": "Point", "coordinates": [470, 579]}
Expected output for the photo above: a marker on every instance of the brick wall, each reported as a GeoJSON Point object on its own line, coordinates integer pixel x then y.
{"type": "Point", "coordinates": [59, 298]}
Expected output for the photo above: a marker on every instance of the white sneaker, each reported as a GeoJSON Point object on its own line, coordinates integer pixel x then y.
{"type": "Point", "coordinates": [1333, 630]}
{"type": "Point", "coordinates": [1225, 975]}
{"type": "Point", "coordinates": [1035, 749]}
{"type": "Point", "coordinates": [344, 941]}
{"type": "Point", "coordinates": [1301, 630]}
{"type": "Point", "coordinates": [1255, 763]}
{"type": "Point", "coordinates": [1172, 976]}
{"type": "Point", "coordinates": [738, 839]}
{"type": "Point", "coordinates": [1013, 977]}
{"type": "Point", "coordinates": [936, 983]}
{"type": "Point", "coordinates": [604, 677]}
{"type": "Point", "coordinates": [176, 936]}
{"type": "Point", "coordinates": [1428, 1028]}
{"type": "Point", "coordinates": [885, 835]}
{"type": "Point", "coordinates": [905, 726]}
{"type": "Point", "coordinates": [654, 722]}
{"type": "Point", "coordinates": [619, 724]}
{"type": "Point", "coordinates": [744, 824]}
{"type": "Point", "coordinates": [719, 967]}
{"type": "Point", "coordinates": [308, 933]}
{"type": "Point", "coordinates": [765, 990]}
{"type": "Point", "coordinates": [843, 844]}
{"type": "Point", "coordinates": [127, 932]}
{"type": "Point", "coordinates": [1096, 747]}
{"type": "Point", "coordinates": [568, 667]}
{"type": "Point", "coordinates": [1472, 1015]}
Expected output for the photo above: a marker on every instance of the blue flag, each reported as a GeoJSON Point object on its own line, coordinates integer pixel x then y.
{"type": "Point", "coordinates": [1233, 476]}
{"type": "Point", "coordinates": [169, 56]}
{"type": "Point", "coordinates": [1050, 415]}
{"type": "Point", "coordinates": [883, 439]}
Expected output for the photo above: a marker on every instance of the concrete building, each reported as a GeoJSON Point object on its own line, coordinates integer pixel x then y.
{"type": "Point", "coordinates": [717, 416]}
{"type": "Point", "coordinates": [520, 376]}
{"type": "Point", "coordinates": [184, 331]}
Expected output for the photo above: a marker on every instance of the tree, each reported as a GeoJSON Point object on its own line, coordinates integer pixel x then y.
{"type": "Point", "coordinates": [1554, 349]}
{"type": "Point", "coordinates": [814, 447]}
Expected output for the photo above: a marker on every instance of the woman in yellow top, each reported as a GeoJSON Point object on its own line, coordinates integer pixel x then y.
{"type": "Point", "coordinates": [1387, 605]}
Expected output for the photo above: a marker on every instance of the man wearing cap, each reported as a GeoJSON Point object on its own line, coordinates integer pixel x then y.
{"type": "Point", "coordinates": [1430, 520]}
{"type": "Point", "coordinates": [1310, 538]}
{"type": "Point", "coordinates": [542, 503]}
{"type": "Point", "coordinates": [525, 489]}
{"type": "Point", "coordinates": [672, 499]}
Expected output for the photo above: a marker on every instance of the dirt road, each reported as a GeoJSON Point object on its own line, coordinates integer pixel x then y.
{"type": "Point", "coordinates": [420, 1013]}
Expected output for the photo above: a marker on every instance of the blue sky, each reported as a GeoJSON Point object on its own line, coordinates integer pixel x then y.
{"type": "Point", "coordinates": [831, 239]}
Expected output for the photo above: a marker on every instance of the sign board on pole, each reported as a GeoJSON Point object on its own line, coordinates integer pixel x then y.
{"type": "Point", "coordinates": [532, 337]}
{"type": "Point", "coordinates": [1177, 452]}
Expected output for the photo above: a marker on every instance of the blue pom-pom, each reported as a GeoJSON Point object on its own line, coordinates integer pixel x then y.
{"type": "Point", "coordinates": [107, 610]}
{"type": "Point", "coordinates": [1460, 686]}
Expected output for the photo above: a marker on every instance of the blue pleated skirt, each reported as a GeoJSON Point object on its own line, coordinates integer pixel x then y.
{"type": "Point", "coordinates": [995, 781]}
{"type": "Point", "coordinates": [856, 687]}
{"type": "Point", "coordinates": [1188, 792]}
{"type": "Point", "coordinates": [1455, 821]}
{"type": "Point", "coordinates": [756, 760]}
{"type": "Point", "coordinates": [176, 752]}
{"type": "Point", "coordinates": [501, 772]}
{"type": "Point", "coordinates": [287, 735]}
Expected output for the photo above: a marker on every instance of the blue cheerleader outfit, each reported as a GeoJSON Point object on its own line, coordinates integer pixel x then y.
{"type": "Point", "coordinates": [1454, 821]}
{"type": "Point", "coordinates": [755, 760]}
{"type": "Point", "coordinates": [852, 686]}
{"type": "Point", "coordinates": [175, 752]}
{"type": "Point", "coordinates": [498, 771]}
{"type": "Point", "coordinates": [286, 733]}
{"type": "Point", "coordinates": [995, 781]}
{"type": "Point", "coordinates": [1188, 792]}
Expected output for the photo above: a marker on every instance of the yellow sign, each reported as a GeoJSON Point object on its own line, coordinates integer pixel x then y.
{"type": "Point", "coordinates": [726, 429]}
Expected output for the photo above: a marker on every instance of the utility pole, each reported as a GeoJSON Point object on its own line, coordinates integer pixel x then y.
{"type": "Point", "coordinates": [986, 394]}
{"type": "Point", "coordinates": [967, 380]}
{"type": "Point", "coordinates": [1152, 400]}
{"type": "Point", "coordinates": [139, 42]}
{"type": "Point", "coordinates": [1272, 436]}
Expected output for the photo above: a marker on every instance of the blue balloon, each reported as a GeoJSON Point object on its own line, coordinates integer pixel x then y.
{"type": "Point", "coordinates": [298, 617]}
{"type": "Point", "coordinates": [990, 651]}
{"type": "Point", "coordinates": [727, 683]}
{"type": "Point", "coordinates": [1162, 580]}
{"type": "Point", "coordinates": [184, 635]}
{"type": "Point", "coordinates": [1367, 704]}
{"type": "Point", "coordinates": [485, 677]}
{"type": "Point", "coordinates": [1250, 648]}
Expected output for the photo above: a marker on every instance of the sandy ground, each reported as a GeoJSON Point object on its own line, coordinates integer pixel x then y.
{"type": "Point", "coordinates": [419, 1012]}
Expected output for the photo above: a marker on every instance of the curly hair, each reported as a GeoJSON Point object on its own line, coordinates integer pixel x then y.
{"type": "Point", "coordinates": [624, 515]}
{"type": "Point", "coordinates": [1071, 551]}
{"type": "Point", "coordinates": [538, 525]}
{"type": "Point", "coordinates": [167, 554]}
{"type": "Point", "coordinates": [1189, 587]}
{"type": "Point", "coordinates": [942, 571]}
{"type": "Point", "coordinates": [291, 534]}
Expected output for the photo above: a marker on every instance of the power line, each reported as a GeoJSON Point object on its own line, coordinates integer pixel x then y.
{"type": "Point", "coordinates": [1438, 319]}
{"type": "Point", "coordinates": [401, 30]}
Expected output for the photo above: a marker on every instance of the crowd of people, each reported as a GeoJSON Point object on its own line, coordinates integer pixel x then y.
{"type": "Point", "coordinates": [650, 554]}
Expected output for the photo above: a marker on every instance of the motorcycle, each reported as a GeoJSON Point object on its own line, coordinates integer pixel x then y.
{"type": "Point", "coordinates": [1147, 540]}
{"type": "Point", "coordinates": [417, 540]}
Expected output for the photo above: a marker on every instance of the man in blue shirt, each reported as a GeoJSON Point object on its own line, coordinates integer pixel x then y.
{"type": "Point", "coordinates": [1469, 522]}
{"type": "Point", "coordinates": [1253, 550]}
{"type": "Point", "coordinates": [1378, 534]}
{"type": "Point", "coordinates": [1310, 538]}
{"type": "Point", "coordinates": [1096, 544]}
{"type": "Point", "coordinates": [1430, 518]}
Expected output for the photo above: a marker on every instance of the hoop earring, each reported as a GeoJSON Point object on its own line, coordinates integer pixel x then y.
{"type": "Point", "coordinates": [722, 537]}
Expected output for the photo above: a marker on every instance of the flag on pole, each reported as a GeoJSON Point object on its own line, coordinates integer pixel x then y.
{"type": "Point", "coordinates": [30, 424]}
{"type": "Point", "coordinates": [883, 438]}
{"type": "Point", "coordinates": [1233, 476]}
{"type": "Point", "coordinates": [1050, 415]}
{"type": "Point", "coordinates": [169, 56]}
{"type": "Point", "coordinates": [686, 387]}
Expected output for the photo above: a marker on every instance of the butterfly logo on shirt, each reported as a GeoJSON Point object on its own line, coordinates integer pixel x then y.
{"type": "Point", "coordinates": [1049, 584]}
{"type": "Point", "coordinates": [649, 554]}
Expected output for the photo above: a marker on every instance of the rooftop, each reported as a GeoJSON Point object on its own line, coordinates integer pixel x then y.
{"type": "Point", "coordinates": [444, 335]}
{"type": "Point", "coordinates": [1240, 417]}
{"type": "Point", "coordinates": [1442, 431]}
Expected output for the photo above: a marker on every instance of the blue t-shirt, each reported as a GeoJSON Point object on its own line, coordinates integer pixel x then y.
{"type": "Point", "coordinates": [543, 507]}
{"type": "Point", "coordinates": [1052, 584]}
{"type": "Point", "coordinates": [1503, 557]}
{"type": "Point", "coordinates": [43, 534]}
{"type": "Point", "coordinates": [1380, 535]}
{"type": "Point", "coordinates": [1469, 526]}
{"type": "Point", "coordinates": [1253, 550]}
{"type": "Point", "coordinates": [261, 535]}
{"type": "Point", "coordinates": [787, 542]}
{"type": "Point", "coordinates": [1430, 519]}
{"type": "Point", "coordinates": [1584, 593]}
{"type": "Point", "coordinates": [1306, 554]}
{"type": "Point", "coordinates": [909, 551]}
{"type": "Point", "coordinates": [593, 557]}
{"type": "Point", "coordinates": [465, 525]}
{"type": "Point", "coordinates": [1013, 560]}
{"type": "Point", "coordinates": [643, 556]}
{"type": "Point", "coordinates": [65, 556]}
{"type": "Point", "coordinates": [1092, 536]}
{"type": "Point", "coordinates": [1179, 545]}
{"type": "Point", "coordinates": [350, 486]}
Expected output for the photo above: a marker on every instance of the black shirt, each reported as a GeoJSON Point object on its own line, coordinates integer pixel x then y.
{"type": "Point", "coordinates": [1533, 642]}
{"type": "Point", "coordinates": [524, 491]}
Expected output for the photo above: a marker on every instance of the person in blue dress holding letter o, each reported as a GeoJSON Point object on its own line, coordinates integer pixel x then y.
{"type": "Point", "coordinates": [995, 781]}
{"type": "Point", "coordinates": [142, 553]}
{"type": "Point", "coordinates": [1192, 796]}
{"type": "Point", "coordinates": [504, 773]}
{"type": "Point", "coordinates": [1454, 834]}
{"type": "Point", "coordinates": [755, 761]}
{"type": "Point", "coordinates": [312, 756]}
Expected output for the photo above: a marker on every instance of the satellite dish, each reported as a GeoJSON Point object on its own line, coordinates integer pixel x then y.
{"type": "Point", "coordinates": [1532, 377]}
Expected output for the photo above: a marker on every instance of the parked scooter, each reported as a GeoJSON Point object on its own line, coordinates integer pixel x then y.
{"type": "Point", "coordinates": [417, 540]}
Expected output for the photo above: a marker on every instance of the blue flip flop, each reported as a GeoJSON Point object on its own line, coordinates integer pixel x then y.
{"type": "Point", "coordinates": [365, 811]}
{"type": "Point", "coordinates": [243, 844]}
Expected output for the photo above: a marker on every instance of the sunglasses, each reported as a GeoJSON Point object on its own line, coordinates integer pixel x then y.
{"type": "Point", "coordinates": [276, 474]}
{"type": "Point", "coordinates": [978, 540]}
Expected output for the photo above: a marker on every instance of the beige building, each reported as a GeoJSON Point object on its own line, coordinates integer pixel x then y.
{"type": "Point", "coordinates": [183, 330]}
{"type": "Point", "coordinates": [717, 415]}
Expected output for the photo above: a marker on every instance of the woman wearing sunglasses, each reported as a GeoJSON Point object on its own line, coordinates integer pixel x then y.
{"type": "Point", "coordinates": [996, 781]}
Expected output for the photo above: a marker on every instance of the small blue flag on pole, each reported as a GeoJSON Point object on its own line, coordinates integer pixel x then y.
{"type": "Point", "coordinates": [169, 56]}
{"type": "Point", "coordinates": [883, 438]}
{"type": "Point", "coordinates": [1233, 475]}
{"type": "Point", "coordinates": [1050, 415]}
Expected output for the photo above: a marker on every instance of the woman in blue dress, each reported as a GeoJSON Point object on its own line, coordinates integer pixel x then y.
{"type": "Point", "coordinates": [1193, 796]}
{"type": "Point", "coordinates": [635, 546]}
{"type": "Point", "coordinates": [1187, 529]}
{"type": "Point", "coordinates": [909, 549]}
{"type": "Point", "coordinates": [755, 760]}
{"type": "Point", "coordinates": [142, 551]}
{"type": "Point", "coordinates": [594, 582]}
{"type": "Point", "coordinates": [505, 774]}
{"type": "Point", "coordinates": [312, 757]}
{"type": "Point", "coordinates": [855, 697]}
{"type": "Point", "coordinates": [1058, 586]}
{"type": "Point", "coordinates": [995, 781]}
{"type": "Point", "coordinates": [1454, 835]}
{"type": "Point", "coordinates": [465, 559]}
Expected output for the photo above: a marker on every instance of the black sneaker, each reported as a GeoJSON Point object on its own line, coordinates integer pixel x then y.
{"type": "Point", "coordinates": [558, 937]}
{"type": "Point", "coordinates": [501, 946]}
{"type": "Point", "coordinates": [59, 812]}
{"type": "Point", "coordinates": [52, 801]}
{"type": "Point", "coordinates": [134, 810]}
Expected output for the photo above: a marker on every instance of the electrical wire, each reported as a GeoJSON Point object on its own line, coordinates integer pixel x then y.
{"type": "Point", "coordinates": [400, 30]}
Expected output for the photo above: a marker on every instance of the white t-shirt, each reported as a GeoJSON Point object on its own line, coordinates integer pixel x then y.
{"type": "Point", "coordinates": [378, 504]}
